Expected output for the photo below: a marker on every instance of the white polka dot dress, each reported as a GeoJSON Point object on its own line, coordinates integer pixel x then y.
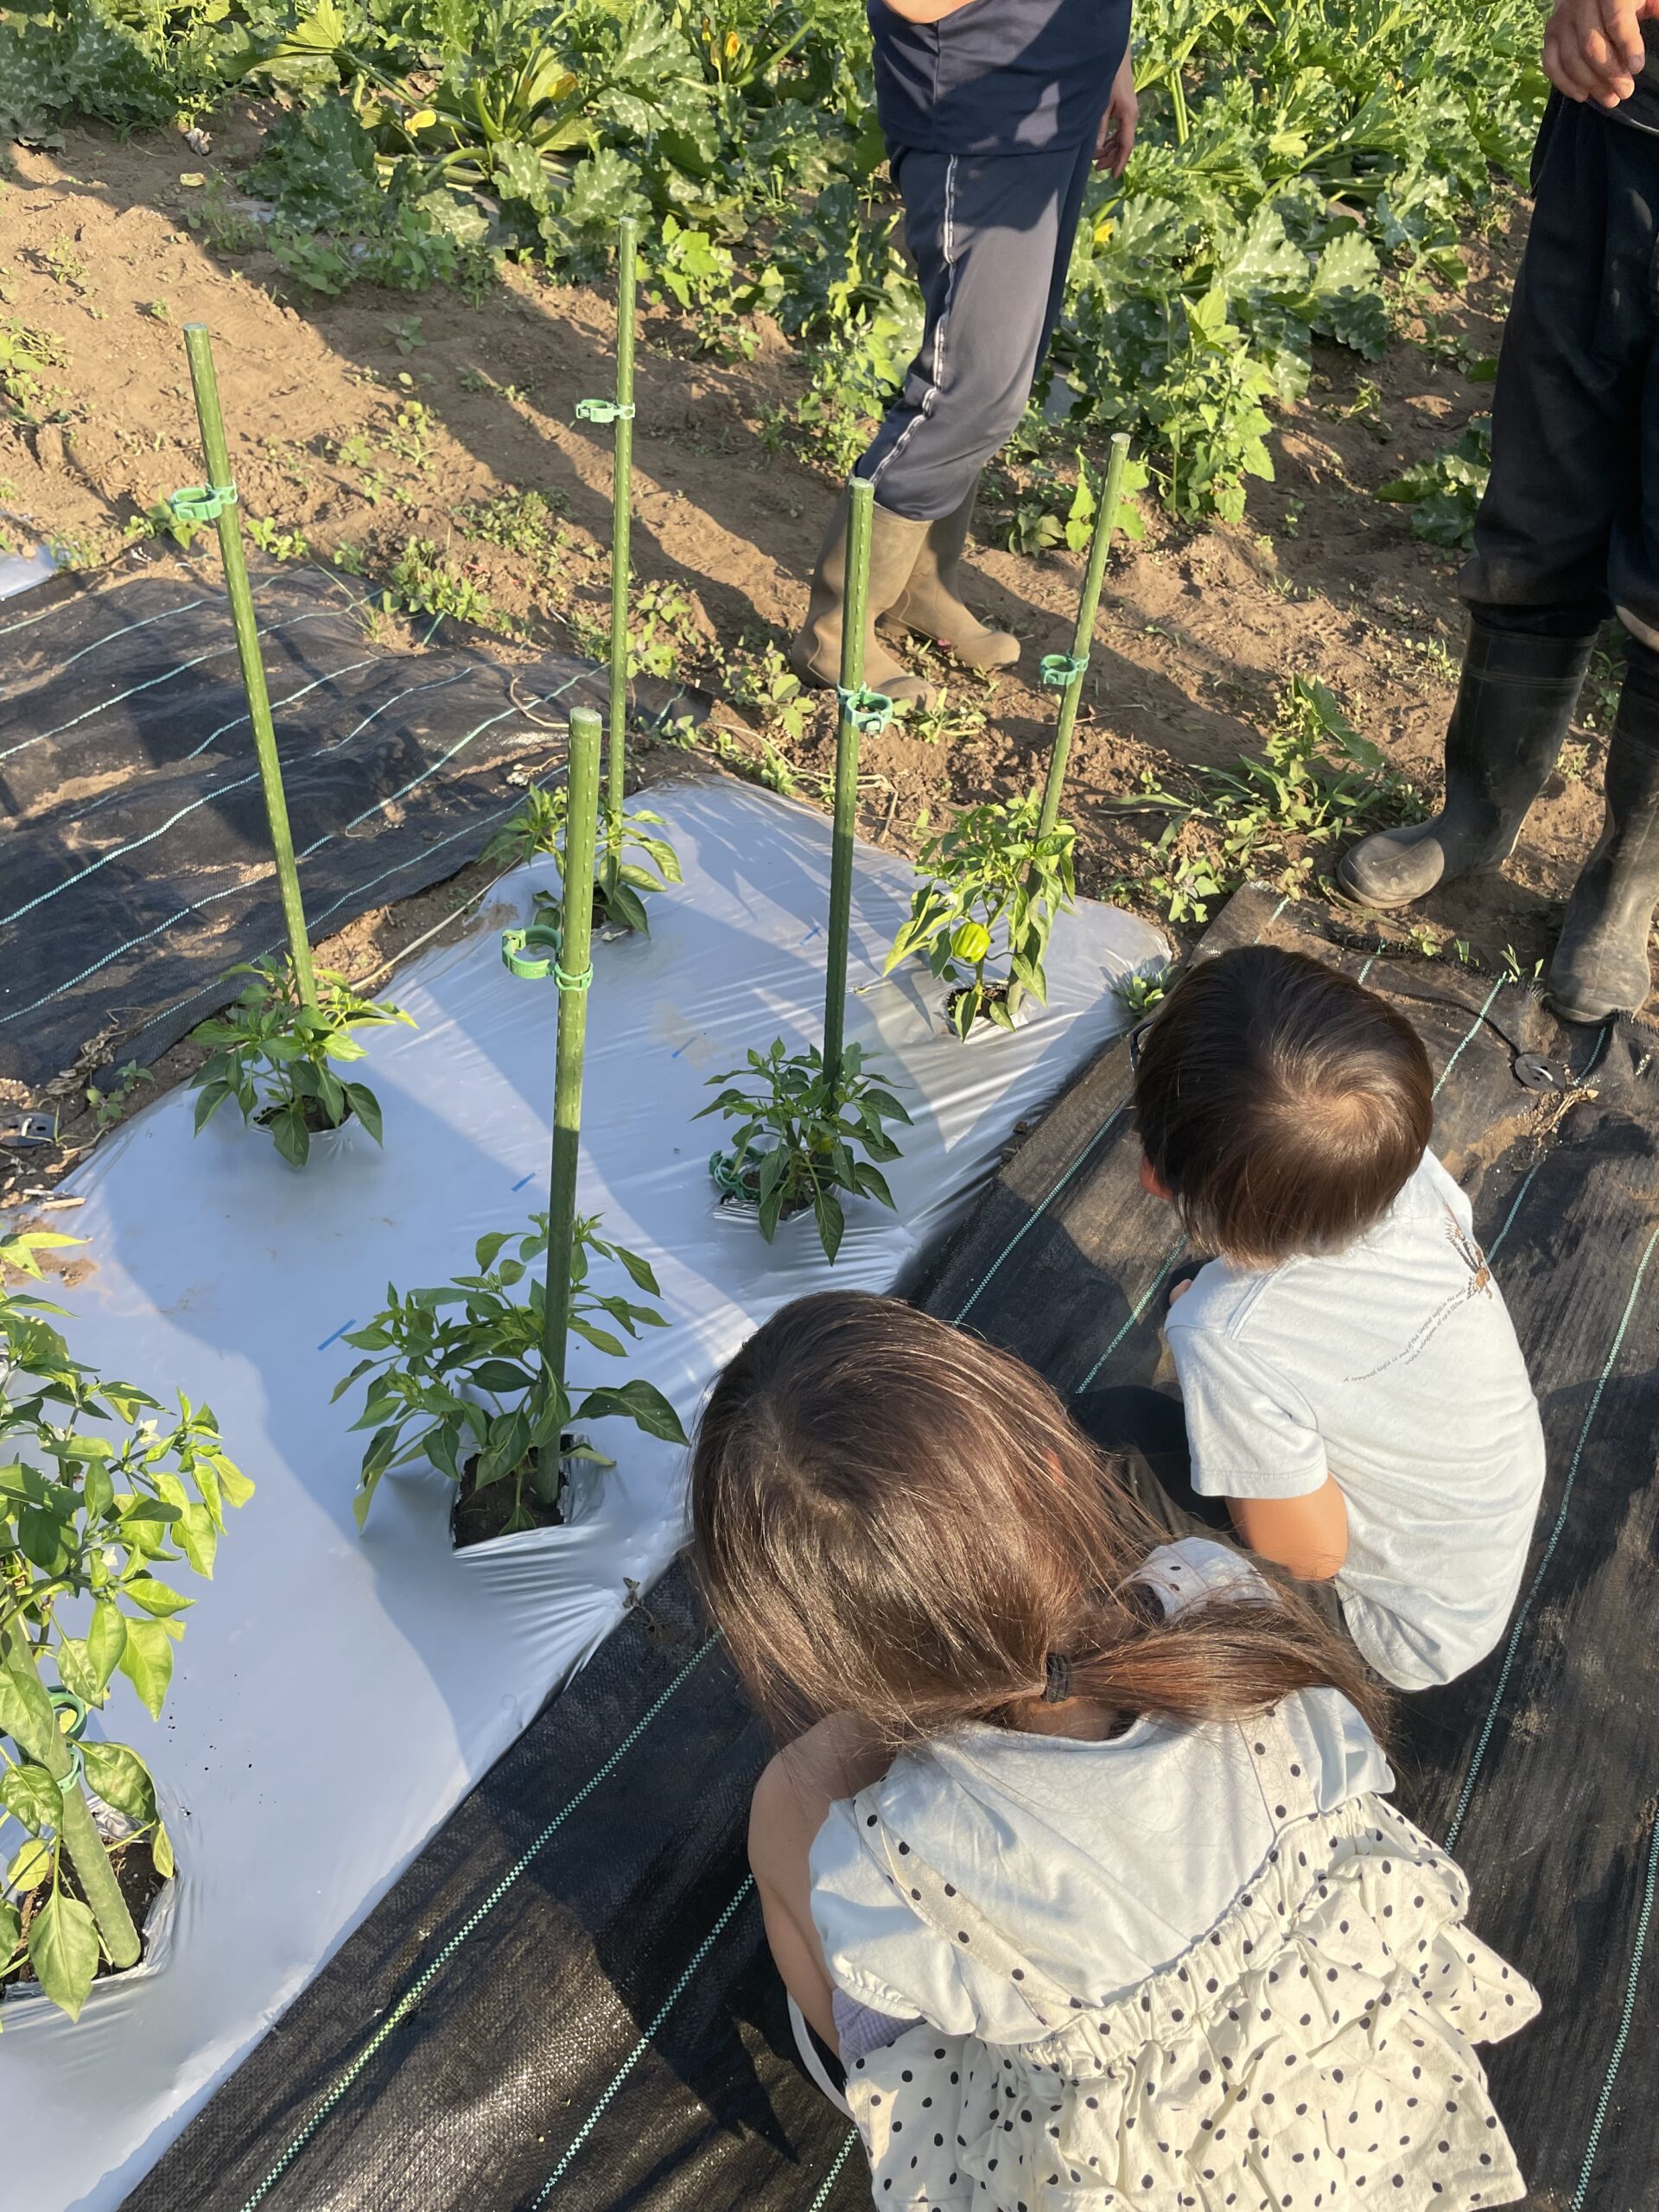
{"type": "Point", "coordinates": [1314, 2048]}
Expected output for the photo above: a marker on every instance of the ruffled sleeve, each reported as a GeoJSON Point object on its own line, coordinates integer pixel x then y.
{"type": "Point", "coordinates": [876, 1946]}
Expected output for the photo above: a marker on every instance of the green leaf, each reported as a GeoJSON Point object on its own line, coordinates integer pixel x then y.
{"type": "Point", "coordinates": [368, 1108]}
{"type": "Point", "coordinates": [98, 1490]}
{"type": "Point", "coordinates": [639, 1270]}
{"type": "Point", "coordinates": [600, 1339]}
{"type": "Point", "coordinates": [11, 1929]}
{"type": "Point", "coordinates": [63, 1950]}
{"type": "Point", "coordinates": [121, 1779]}
{"type": "Point", "coordinates": [826, 1208]}
{"type": "Point", "coordinates": [147, 1662]}
{"type": "Point", "coordinates": [237, 1486]}
{"type": "Point", "coordinates": [501, 1376]}
{"type": "Point", "coordinates": [626, 905]}
{"type": "Point", "coordinates": [198, 1538]}
{"type": "Point", "coordinates": [872, 1183]}
{"type": "Point", "coordinates": [26, 1713]}
{"type": "Point", "coordinates": [106, 1639]}
{"type": "Point", "coordinates": [639, 1402]}
{"type": "Point", "coordinates": [30, 1795]}
{"type": "Point", "coordinates": [75, 1671]}
{"type": "Point", "coordinates": [161, 1848]}
{"type": "Point", "coordinates": [290, 1135]}
{"type": "Point", "coordinates": [208, 1102]}
{"type": "Point", "coordinates": [30, 1867]}
{"type": "Point", "coordinates": [154, 1597]}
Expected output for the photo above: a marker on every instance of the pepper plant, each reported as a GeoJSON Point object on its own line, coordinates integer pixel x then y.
{"type": "Point", "coordinates": [103, 1492]}
{"type": "Point", "coordinates": [800, 1129]}
{"type": "Point", "coordinates": [539, 827]}
{"type": "Point", "coordinates": [456, 1376]}
{"type": "Point", "coordinates": [272, 1051]}
{"type": "Point", "coordinates": [995, 869]}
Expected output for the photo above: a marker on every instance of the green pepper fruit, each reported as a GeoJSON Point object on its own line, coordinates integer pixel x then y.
{"type": "Point", "coordinates": [971, 942]}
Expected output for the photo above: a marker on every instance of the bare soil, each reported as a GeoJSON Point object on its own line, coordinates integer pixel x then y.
{"type": "Point", "coordinates": [1198, 634]}
{"type": "Point", "coordinates": [478, 1515]}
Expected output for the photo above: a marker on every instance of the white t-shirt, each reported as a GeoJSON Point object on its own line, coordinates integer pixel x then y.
{"type": "Point", "coordinates": [1393, 1366]}
{"type": "Point", "coordinates": [1102, 1862]}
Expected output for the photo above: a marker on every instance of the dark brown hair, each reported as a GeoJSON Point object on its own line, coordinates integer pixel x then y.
{"type": "Point", "coordinates": [895, 1520]}
{"type": "Point", "coordinates": [1282, 1104]}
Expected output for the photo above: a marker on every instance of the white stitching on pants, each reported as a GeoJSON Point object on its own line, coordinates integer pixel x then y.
{"type": "Point", "coordinates": [933, 392]}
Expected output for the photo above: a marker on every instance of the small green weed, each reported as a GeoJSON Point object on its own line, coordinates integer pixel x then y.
{"type": "Point", "coordinates": [281, 544]}
{"type": "Point", "coordinates": [221, 227]}
{"type": "Point", "coordinates": [423, 581]}
{"type": "Point", "coordinates": [1445, 491]}
{"type": "Point", "coordinates": [109, 1106]}
{"type": "Point", "coordinates": [665, 632]}
{"type": "Point", "coordinates": [25, 355]}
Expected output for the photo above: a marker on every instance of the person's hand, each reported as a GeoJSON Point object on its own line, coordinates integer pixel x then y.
{"type": "Point", "coordinates": [1116, 140]}
{"type": "Point", "coordinates": [1593, 49]}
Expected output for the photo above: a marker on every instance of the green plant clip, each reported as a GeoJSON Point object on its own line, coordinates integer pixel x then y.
{"type": "Point", "coordinates": [201, 504]}
{"type": "Point", "coordinates": [535, 967]}
{"type": "Point", "coordinates": [604, 410]}
{"type": "Point", "coordinates": [66, 1701]}
{"type": "Point", "coordinates": [1060, 670]}
{"type": "Point", "coordinates": [567, 982]}
{"type": "Point", "coordinates": [868, 711]}
{"type": "Point", "coordinates": [727, 1175]}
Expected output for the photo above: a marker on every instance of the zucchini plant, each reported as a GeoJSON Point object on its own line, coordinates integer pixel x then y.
{"type": "Point", "coordinates": [994, 870]}
{"type": "Point", "coordinates": [272, 1051]}
{"type": "Point", "coordinates": [456, 1375]}
{"type": "Point", "coordinates": [102, 1492]}
{"type": "Point", "coordinates": [799, 1131]}
{"type": "Point", "coordinates": [539, 827]}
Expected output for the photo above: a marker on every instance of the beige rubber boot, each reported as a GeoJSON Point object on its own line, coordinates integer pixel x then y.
{"type": "Point", "coordinates": [814, 654]}
{"type": "Point", "coordinates": [930, 603]}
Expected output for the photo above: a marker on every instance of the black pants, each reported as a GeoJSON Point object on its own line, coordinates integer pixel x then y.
{"type": "Point", "coordinates": [1568, 529]}
{"type": "Point", "coordinates": [1144, 1432]}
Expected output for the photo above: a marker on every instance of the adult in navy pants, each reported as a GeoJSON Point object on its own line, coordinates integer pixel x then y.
{"type": "Point", "coordinates": [1568, 531]}
{"type": "Point", "coordinates": [993, 113]}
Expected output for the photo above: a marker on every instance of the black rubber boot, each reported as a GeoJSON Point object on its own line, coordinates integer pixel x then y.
{"type": "Point", "coordinates": [1600, 965]}
{"type": "Point", "coordinates": [1514, 707]}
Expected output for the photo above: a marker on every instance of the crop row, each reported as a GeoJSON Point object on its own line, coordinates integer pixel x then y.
{"type": "Point", "coordinates": [1303, 166]}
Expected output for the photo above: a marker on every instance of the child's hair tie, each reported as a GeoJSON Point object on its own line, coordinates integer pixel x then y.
{"type": "Point", "coordinates": [1058, 1687]}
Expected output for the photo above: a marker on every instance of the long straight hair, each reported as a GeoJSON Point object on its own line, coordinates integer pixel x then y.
{"type": "Point", "coordinates": [894, 1519]}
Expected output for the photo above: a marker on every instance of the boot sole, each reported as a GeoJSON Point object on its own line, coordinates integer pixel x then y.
{"type": "Point", "coordinates": [1583, 1018]}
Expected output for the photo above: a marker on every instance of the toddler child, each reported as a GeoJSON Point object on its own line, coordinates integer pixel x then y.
{"type": "Point", "coordinates": [1350, 1378]}
{"type": "Point", "coordinates": [1083, 1870]}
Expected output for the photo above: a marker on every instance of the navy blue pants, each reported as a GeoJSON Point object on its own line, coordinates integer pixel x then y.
{"type": "Point", "coordinates": [991, 240]}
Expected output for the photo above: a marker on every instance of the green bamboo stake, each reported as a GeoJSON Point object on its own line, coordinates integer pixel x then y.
{"type": "Point", "coordinates": [621, 503]}
{"type": "Point", "coordinates": [1067, 671]}
{"type": "Point", "coordinates": [855, 713]}
{"type": "Point", "coordinates": [573, 972]}
{"type": "Point", "coordinates": [1071, 667]}
{"type": "Point", "coordinates": [77, 1830]}
{"type": "Point", "coordinates": [216, 502]}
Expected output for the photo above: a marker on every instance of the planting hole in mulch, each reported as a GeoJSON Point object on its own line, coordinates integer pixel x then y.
{"type": "Point", "coordinates": [477, 1516]}
{"type": "Point", "coordinates": [141, 1881]}
{"type": "Point", "coordinates": [994, 994]}
{"type": "Point", "coordinates": [315, 1120]}
{"type": "Point", "coordinates": [740, 1188]}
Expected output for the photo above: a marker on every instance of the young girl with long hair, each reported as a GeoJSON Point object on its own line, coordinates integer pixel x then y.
{"type": "Point", "coordinates": [1079, 1858]}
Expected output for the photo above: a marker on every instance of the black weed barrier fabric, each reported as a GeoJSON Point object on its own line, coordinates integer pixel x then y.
{"type": "Point", "coordinates": [136, 862]}
{"type": "Point", "coordinates": [566, 1999]}
{"type": "Point", "coordinates": [1541, 1769]}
